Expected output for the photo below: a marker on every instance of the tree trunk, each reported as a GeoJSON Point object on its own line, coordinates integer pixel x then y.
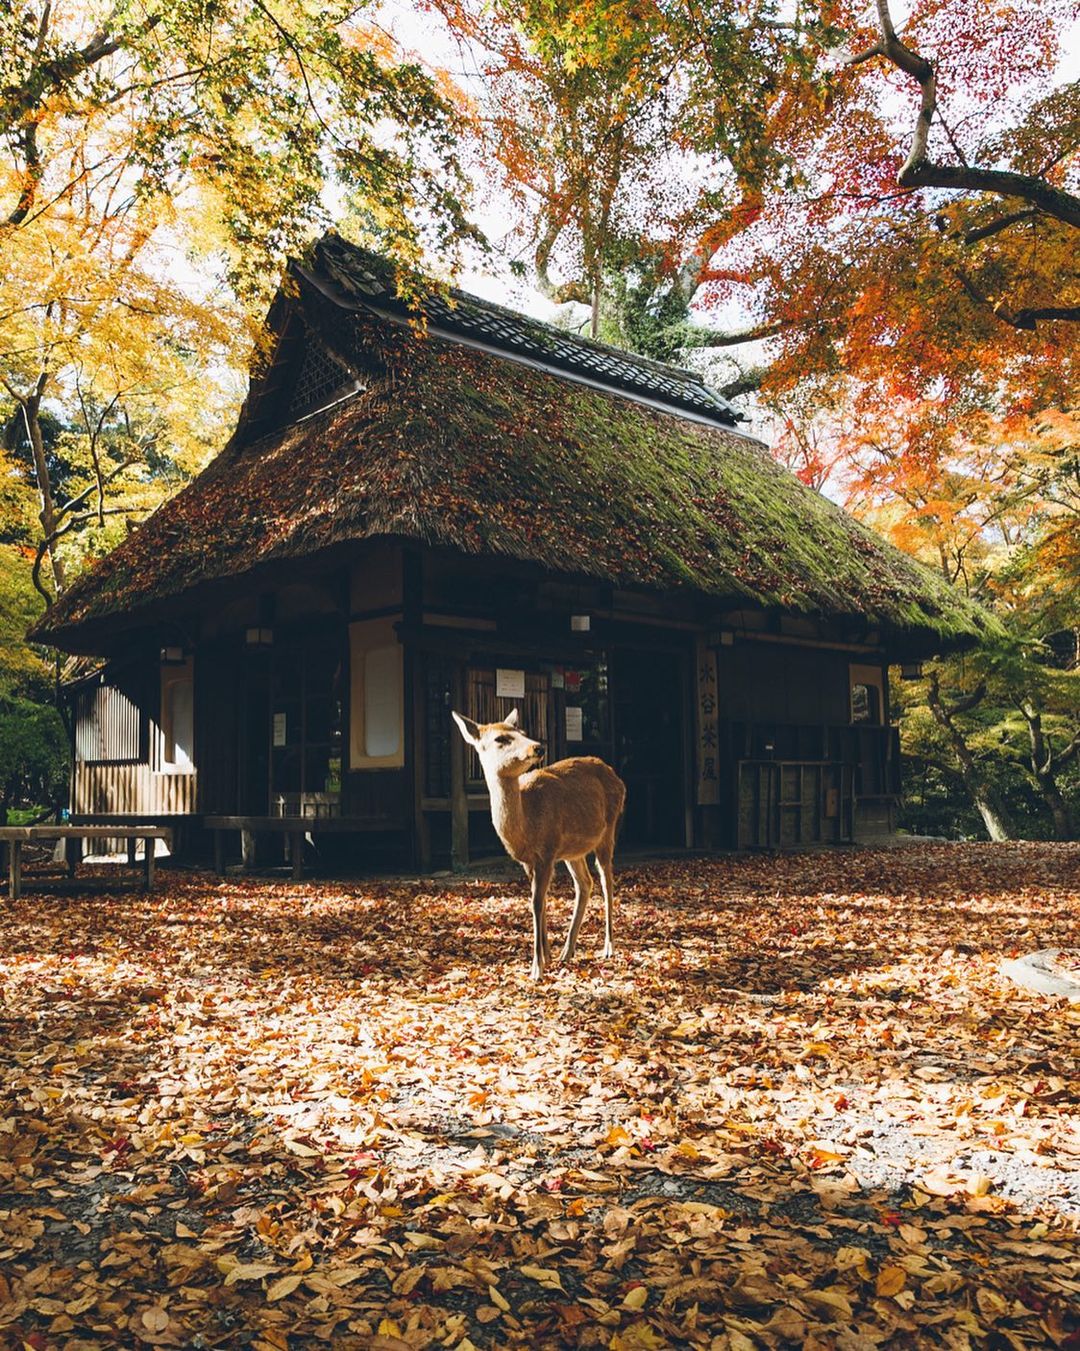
{"type": "Point", "coordinates": [1044, 766]}
{"type": "Point", "coordinates": [48, 516]}
{"type": "Point", "coordinates": [988, 804]}
{"type": "Point", "coordinates": [1060, 811]}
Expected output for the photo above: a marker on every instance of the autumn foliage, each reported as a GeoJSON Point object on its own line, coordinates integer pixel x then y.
{"type": "Point", "coordinates": [800, 1107]}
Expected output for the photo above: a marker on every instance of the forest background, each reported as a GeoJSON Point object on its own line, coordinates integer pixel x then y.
{"type": "Point", "coordinates": [860, 222]}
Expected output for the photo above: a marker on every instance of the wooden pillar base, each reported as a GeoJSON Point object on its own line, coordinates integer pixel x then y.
{"type": "Point", "coordinates": [73, 849]}
{"type": "Point", "coordinates": [14, 869]}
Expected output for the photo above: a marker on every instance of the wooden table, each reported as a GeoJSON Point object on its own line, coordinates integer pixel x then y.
{"type": "Point", "coordinates": [16, 836]}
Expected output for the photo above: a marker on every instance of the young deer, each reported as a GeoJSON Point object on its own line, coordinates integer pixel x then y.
{"type": "Point", "coordinates": [566, 811]}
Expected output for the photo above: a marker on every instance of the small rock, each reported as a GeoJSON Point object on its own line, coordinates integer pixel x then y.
{"type": "Point", "coordinates": [1049, 971]}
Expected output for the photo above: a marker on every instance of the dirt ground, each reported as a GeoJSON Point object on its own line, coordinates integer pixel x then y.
{"type": "Point", "coordinates": [800, 1107]}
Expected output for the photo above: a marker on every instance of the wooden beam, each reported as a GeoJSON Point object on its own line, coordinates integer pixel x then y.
{"type": "Point", "coordinates": [459, 803]}
{"type": "Point", "coordinates": [14, 869]}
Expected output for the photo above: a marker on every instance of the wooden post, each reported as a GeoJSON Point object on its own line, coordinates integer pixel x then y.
{"type": "Point", "coordinates": [296, 851]}
{"type": "Point", "coordinates": [219, 852]}
{"type": "Point", "coordinates": [149, 846]}
{"type": "Point", "coordinates": [412, 604]}
{"type": "Point", "coordinates": [132, 847]}
{"type": "Point", "coordinates": [416, 675]}
{"type": "Point", "coordinates": [459, 803]}
{"type": "Point", "coordinates": [247, 848]}
{"type": "Point", "coordinates": [14, 869]}
{"type": "Point", "coordinates": [72, 853]}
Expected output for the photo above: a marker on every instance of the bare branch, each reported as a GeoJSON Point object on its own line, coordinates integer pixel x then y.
{"type": "Point", "coordinates": [918, 171]}
{"type": "Point", "coordinates": [1063, 206]}
{"type": "Point", "coordinates": [970, 701]}
{"type": "Point", "coordinates": [706, 338]}
{"type": "Point", "coordinates": [996, 226]}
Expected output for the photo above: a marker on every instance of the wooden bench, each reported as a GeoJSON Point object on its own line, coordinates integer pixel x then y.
{"type": "Point", "coordinates": [295, 828]}
{"type": "Point", "coordinates": [14, 837]}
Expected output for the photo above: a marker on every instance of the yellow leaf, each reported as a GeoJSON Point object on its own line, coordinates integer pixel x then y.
{"type": "Point", "coordinates": [497, 1298]}
{"type": "Point", "coordinates": [155, 1319]}
{"type": "Point", "coordinates": [544, 1275]}
{"type": "Point", "coordinates": [828, 1301]}
{"type": "Point", "coordinates": [991, 1304]}
{"type": "Point", "coordinates": [250, 1271]}
{"type": "Point", "coordinates": [284, 1287]}
{"type": "Point", "coordinates": [635, 1299]}
{"type": "Point", "coordinates": [853, 1259]}
{"type": "Point", "coordinates": [891, 1279]}
{"type": "Point", "coordinates": [407, 1280]}
{"type": "Point", "coordinates": [304, 1151]}
{"type": "Point", "coordinates": [637, 1337]}
{"type": "Point", "coordinates": [939, 1182]}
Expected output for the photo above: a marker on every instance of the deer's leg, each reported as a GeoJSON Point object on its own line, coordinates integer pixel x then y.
{"type": "Point", "coordinates": [604, 852]}
{"type": "Point", "coordinates": [540, 877]}
{"type": "Point", "coordinates": [579, 871]}
{"type": "Point", "coordinates": [544, 941]}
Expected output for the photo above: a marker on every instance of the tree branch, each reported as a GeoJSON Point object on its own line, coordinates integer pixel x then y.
{"type": "Point", "coordinates": [919, 171]}
{"type": "Point", "coordinates": [970, 701]}
{"type": "Point", "coordinates": [1063, 206]}
{"type": "Point", "coordinates": [704, 337]}
{"type": "Point", "coordinates": [18, 102]}
{"type": "Point", "coordinates": [1067, 753]}
{"type": "Point", "coordinates": [747, 383]}
{"type": "Point", "coordinates": [996, 226]}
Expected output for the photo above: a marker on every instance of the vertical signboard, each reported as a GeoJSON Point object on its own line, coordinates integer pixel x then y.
{"type": "Point", "coordinates": [707, 728]}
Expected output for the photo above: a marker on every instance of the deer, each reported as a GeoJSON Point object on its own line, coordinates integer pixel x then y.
{"type": "Point", "coordinates": [543, 814]}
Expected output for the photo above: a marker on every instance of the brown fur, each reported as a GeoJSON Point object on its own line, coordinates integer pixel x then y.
{"type": "Point", "coordinates": [563, 811]}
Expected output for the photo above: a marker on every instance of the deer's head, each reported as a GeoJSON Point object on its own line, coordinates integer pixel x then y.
{"type": "Point", "coordinates": [503, 750]}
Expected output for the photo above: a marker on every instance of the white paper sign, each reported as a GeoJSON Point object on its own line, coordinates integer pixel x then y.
{"type": "Point", "coordinates": [510, 684]}
{"type": "Point", "coordinates": [557, 681]}
{"type": "Point", "coordinates": [574, 727]}
{"type": "Point", "coordinates": [279, 729]}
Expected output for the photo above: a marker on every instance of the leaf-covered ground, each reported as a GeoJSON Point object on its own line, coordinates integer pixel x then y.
{"type": "Point", "coordinates": [800, 1107]}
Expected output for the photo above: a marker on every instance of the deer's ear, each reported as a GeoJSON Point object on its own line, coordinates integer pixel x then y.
{"type": "Point", "coordinates": [511, 719]}
{"type": "Point", "coordinates": [467, 728]}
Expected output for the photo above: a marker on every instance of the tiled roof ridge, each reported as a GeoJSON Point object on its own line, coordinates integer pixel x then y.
{"type": "Point", "coordinates": [370, 277]}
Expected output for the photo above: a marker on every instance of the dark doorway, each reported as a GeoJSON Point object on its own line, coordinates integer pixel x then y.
{"type": "Point", "coordinates": [253, 706]}
{"type": "Point", "coordinates": [647, 706]}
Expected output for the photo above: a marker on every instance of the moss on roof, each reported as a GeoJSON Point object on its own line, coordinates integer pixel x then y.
{"type": "Point", "coordinates": [459, 447]}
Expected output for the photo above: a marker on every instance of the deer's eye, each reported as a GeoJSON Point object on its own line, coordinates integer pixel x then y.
{"type": "Point", "coordinates": [502, 740]}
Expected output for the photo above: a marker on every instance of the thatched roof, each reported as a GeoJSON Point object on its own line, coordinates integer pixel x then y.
{"type": "Point", "coordinates": [457, 446]}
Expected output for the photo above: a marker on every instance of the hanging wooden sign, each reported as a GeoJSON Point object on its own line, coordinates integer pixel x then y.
{"type": "Point", "coordinates": [707, 727]}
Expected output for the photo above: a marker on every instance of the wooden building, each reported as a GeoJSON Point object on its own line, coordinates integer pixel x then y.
{"type": "Point", "coordinates": [476, 513]}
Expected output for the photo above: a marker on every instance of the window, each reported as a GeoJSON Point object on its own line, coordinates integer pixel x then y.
{"type": "Point", "coordinates": [376, 724]}
{"type": "Point", "coordinates": [867, 694]}
{"type": "Point", "coordinates": [178, 718]}
{"type": "Point", "coordinates": [320, 381]}
{"type": "Point", "coordinates": [108, 725]}
{"type": "Point", "coordinates": [483, 705]}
